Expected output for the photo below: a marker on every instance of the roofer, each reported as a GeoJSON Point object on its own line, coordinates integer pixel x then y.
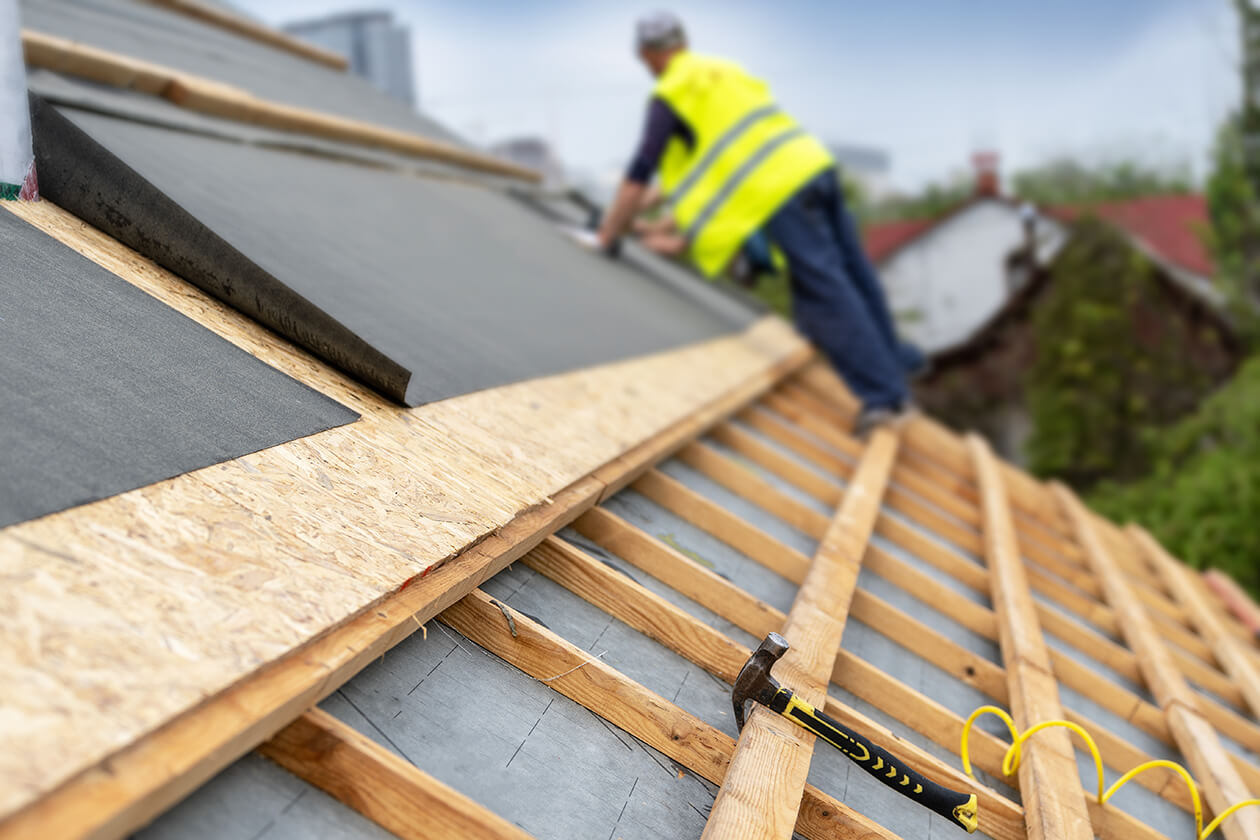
{"type": "Point", "coordinates": [732, 163]}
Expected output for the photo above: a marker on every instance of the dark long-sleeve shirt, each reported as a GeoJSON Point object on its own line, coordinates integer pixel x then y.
{"type": "Point", "coordinates": [661, 125]}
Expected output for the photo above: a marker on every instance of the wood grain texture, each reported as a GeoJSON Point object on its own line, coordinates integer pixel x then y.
{"type": "Point", "coordinates": [1054, 801]}
{"type": "Point", "coordinates": [762, 791]}
{"type": "Point", "coordinates": [717, 521]}
{"type": "Point", "coordinates": [626, 704]}
{"type": "Point", "coordinates": [129, 612]}
{"type": "Point", "coordinates": [999, 817]}
{"type": "Point", "coordinates": [386, 789]}
{"type": "Point", "coordinates": [680, 572]}
{"type": "Point", "coordinates": [153, 773]}
{"type": "Point", "coordinates": [1209, 762]}
{"type": "Point", "coordinates": [945, 453]}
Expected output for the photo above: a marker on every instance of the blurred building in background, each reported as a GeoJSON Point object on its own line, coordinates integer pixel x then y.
{"type": "Point", "coordinates": [534, 153]}
{"type": "Point", "coordinates": [868, 166]}
{"type": "Point", "coordinates": [377, 48]}
{"type": "Point", "coordinates": [945, 275]}
{"type": "Point", "coordinates": [965, 285]}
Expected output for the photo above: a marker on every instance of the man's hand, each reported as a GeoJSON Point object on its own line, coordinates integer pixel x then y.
{"type": "Point", "coordinates": [621, 213]}
{"type": "Point", "coordinates": [665, 243]}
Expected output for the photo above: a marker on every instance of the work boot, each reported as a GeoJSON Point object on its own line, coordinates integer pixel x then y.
{"type": "Point", "coordinates": [871, 418]}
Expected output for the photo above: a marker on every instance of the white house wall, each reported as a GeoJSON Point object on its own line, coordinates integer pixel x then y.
{"type": "Point", "coordinates": [946, 283]}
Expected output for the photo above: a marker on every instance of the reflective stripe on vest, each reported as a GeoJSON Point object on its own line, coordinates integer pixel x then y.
{"type": "Point", "coordinates": [737, 177]}
{"type": "Point", "coordinates": [723, 143]}
{"type": "Point", "coordinates": [748, 158]}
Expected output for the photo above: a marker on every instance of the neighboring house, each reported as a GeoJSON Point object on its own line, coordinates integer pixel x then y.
{"type": "Point", "coordinates": [978, 381]}
{"type": "Point", "coordinates": [377, 48]}
{"type": "Point", "coordinates": [945, 276]}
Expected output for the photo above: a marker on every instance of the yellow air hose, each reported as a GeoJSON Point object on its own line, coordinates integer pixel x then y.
{"type": "Point", "coordinates": [1010, 763]}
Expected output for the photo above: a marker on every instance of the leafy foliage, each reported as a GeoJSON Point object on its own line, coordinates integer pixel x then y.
{"type": "Point", "coordinates": [933, 201]}
{"type": "Point", "coordinates": [1110, 362]}
{"type": "Point", "coordinates": [1234, 237]}
{"type": "Point", "coordinates": [1202, 497]}
{"type": "Point", "coordinates": [1067, 181]}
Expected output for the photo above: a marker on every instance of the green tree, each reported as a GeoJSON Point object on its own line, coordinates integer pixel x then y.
{"type": "Point", "coordinates": [1109, 362]}
{"type": "Point", "coordinates": [1068, 181]}
{"type": "Point", "coordinates": [1202, 497]}
{"type": "Point", "coordinates": [933, 201]}
{"type": "Point", "coordinates": [1234, 234]}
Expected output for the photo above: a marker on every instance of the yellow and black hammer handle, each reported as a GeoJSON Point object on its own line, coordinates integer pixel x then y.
{"type": "Point", "coordinates": [960, 808]}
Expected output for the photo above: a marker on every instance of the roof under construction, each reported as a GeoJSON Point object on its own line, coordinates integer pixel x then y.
{"type": "Point", "coordinates": [346, 498]}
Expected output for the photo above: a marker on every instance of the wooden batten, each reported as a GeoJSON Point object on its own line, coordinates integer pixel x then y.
{"type": "Point", "coordinates": [386, 789]}
{"type": "Point", "coordinates": [631, 603]}
{"type": "Point", "coordinates": [624, 703]}
{"type": "Point", "coordinates": [256, 32]}
{"type": "Point", "coordinates": [216, 99]}
{"type": "Point", "coordinates": [762, 791]}
{"type": "Point", "coordinates": [1054, 802]}
{"type": "Point", "coordinates": [1194, 736]}
{"type": "Point", "coordinates": [717, 521]}
{"type": "Point", "coordinates": [1226, 647]}
{"type": "Point", "coordinates": [438, 479]}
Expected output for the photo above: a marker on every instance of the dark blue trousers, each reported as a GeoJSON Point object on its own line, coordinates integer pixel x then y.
{"type": "Point", "coordinates": [837, 300]}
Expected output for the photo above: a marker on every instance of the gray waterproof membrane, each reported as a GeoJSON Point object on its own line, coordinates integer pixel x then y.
{"type": "Point", "coordinates": [421, 288]}
{"type": "Point", "coordinates": [104, 389]}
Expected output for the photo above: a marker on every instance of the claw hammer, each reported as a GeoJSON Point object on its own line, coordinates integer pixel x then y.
{"type": "Point", "coordinates": [755, 683]}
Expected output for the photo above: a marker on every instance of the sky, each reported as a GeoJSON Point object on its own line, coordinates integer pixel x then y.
{"type": "Point", "coordinates": [930, 82]}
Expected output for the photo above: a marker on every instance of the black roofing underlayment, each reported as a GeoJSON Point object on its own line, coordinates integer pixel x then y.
{"type": "Point", "coordinates": [104, 389]}
{"type": "Point", "coordinates": [422, 288]}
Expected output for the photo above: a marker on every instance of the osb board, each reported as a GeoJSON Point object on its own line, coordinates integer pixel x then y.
{"type": "Point", "coordinates": [120, 615]}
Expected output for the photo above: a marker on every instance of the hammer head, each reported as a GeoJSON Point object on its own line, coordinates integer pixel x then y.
{"type": "Point", "coordinates": [754, 681]}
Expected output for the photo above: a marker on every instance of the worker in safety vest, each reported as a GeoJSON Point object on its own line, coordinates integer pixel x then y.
{"type": "Point", "coordinates": [732, 163]}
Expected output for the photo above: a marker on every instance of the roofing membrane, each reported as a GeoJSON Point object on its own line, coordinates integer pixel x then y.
{"type": "Point", "coordinates": [107, 389]}
{"type": "Point", "coordinates": [583, 690]}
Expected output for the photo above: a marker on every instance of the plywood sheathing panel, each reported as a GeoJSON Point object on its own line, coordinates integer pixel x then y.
{"type": "Point", "coordinates": [133, 610]}
{"type": "Point", "coordinates": [1208, 761]}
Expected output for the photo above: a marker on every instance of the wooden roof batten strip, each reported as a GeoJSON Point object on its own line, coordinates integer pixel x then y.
{"type": "Point", "coordinates": [247, 28]}
{"type": "Point", "coordinates": [1054, 801]}
{"type": "Point", "coordinates": [1226, 647]}
{"type": "Point", "coordinates": [217, 99]}
{"type": "Point", "coordinates": [1194, 736]}
{"type": "Point", "coordinates": [761, 794]}
{"type": "Point", "coordinates": [387, 789]}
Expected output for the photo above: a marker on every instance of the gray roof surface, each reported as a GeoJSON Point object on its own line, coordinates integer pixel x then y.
{"type": "Point", "coordinates": [423, 288]}
{"type": "Point", "coordinates": [422, 281]}
{"type": "Point", "coordinates": [106, 389]}
{"type": "Point", "coordinates": [554, 768]}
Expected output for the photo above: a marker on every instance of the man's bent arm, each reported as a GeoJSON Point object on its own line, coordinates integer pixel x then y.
{"type": "Point", "coordinates": [621, 213]}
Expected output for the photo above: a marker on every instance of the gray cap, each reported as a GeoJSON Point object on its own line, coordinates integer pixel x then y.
{"type": "Point", "coordinates": [659, 31]}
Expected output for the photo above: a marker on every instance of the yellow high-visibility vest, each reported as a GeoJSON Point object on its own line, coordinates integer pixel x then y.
{"type": "Point", "coordinates": [749, 157]}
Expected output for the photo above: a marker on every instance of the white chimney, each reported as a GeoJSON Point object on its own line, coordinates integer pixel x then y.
{"type": "Point", "coordinates": [17, 160]}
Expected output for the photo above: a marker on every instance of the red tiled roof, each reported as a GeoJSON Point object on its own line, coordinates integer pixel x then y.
{"type": "Point", "coordinates": [1169, 225]}
{"type": "Point", "coordinates": [882, 240]}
